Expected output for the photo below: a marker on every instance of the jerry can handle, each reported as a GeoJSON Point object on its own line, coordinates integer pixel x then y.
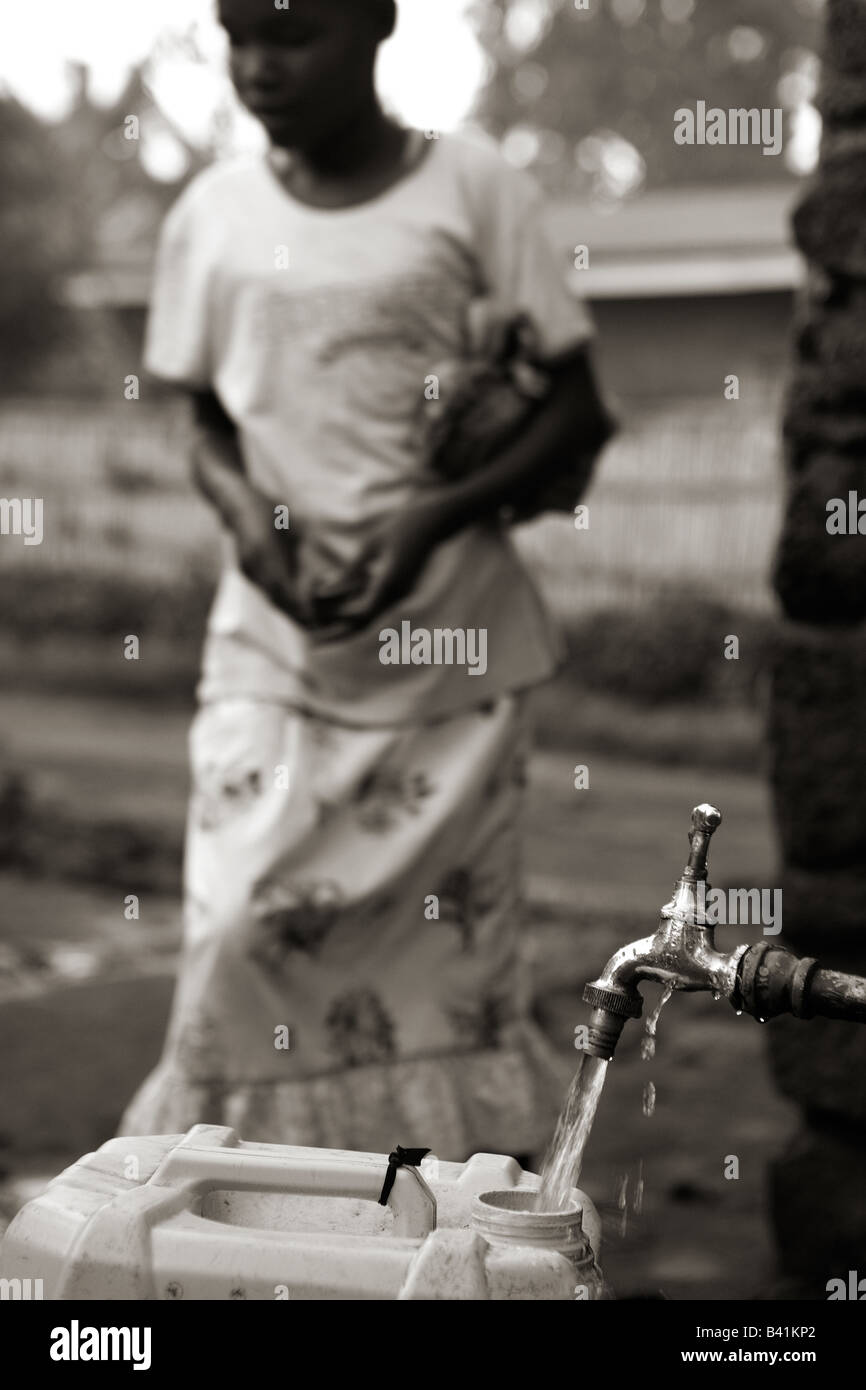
{"type": "Point", "coordinates": [202, 1168]}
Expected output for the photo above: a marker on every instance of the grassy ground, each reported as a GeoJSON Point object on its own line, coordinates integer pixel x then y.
{"type": "Point", "coordinates": [76, 976]}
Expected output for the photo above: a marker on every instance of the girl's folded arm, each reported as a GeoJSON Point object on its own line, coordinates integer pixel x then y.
{"type": "Point", "coordinates": [216, 459]}
{"type": "Point", "coordinates": [266, 556]}
{"type": "Point", "coordinates": [569, 427]}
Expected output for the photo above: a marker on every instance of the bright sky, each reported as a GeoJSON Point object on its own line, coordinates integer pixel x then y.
{"type": "Point", "coordinates": [429, 71]}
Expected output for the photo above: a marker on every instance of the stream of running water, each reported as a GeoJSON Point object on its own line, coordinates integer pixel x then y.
{"type": "Point", "coordinates": [561, 1170]}
{"type": "Point", "coordinates": [562, 1166]}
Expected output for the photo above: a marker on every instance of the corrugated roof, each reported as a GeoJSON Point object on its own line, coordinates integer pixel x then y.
{"type": "Point", "coordinates": [693, 218]}
{"type": "Point", "coordinates": [695, 240]}
{"type": "Point", "coordinates": [670, 242]}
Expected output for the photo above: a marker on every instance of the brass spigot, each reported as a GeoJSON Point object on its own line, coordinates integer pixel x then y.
{"type": "Point", "coordinates": [762, 980]}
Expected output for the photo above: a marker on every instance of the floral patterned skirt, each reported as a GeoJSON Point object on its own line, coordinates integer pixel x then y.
{"type": "Point", "coordinates": [351, 968]}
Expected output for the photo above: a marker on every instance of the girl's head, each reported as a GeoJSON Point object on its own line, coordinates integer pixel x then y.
{"type": "Point", "coordinates": [306, 71]}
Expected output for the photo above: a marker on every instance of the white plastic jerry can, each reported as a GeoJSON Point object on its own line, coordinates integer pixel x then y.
{"type": "Point", "coordinates": [207, 1216]}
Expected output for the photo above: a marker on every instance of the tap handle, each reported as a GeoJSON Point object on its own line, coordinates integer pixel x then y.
{"type": "Point", "coordinates": [705, 820]}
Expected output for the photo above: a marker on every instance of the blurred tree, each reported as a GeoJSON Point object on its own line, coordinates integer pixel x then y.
{"type": "Point", "coordinates": [77, 195]}
{"type": "Point", "coordinates": [817, 725]}
{"type": "Point", "coordinates": [586, 96]}
{"type": "Point", "coordinates": [42, 236]}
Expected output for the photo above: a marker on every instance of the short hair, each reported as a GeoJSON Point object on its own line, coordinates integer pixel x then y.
{"type": "Point", "coordinates": [386, 10]}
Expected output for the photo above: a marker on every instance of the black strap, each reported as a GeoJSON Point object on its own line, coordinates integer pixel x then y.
{"type": "Point", "coordinates": [399, 1158]}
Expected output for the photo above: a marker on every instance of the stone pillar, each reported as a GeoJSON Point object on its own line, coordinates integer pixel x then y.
{"type": "Point", "coordinates": [817, 733]}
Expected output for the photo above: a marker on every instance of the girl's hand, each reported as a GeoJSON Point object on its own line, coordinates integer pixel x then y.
{"type": "Point", "coordinates": [396, 553]}
{"type": "Point", "coordinates": [298, 577]}
{"type": "Point", "coordinates": [270, 558]}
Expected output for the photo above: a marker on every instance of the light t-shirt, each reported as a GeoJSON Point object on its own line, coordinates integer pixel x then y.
{"type": "Point", "coordinates": [318, 330]}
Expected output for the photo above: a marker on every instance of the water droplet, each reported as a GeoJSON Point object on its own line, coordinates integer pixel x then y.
{"type": "Point", "coordinates": [762, 1020]}
{"type": "Point", "coordinates": [637, 1199]}
{"type": "Point", "coordinates": [648, 1043]}
{"type": "Point", "coordinates": [739, 1013]}
{"type": "Point", "coordinates": [649, 1099]}
{"type": "Point", "coordinates": [716, 995]}
{"type": "Point", "coordinates": [622, 1203]}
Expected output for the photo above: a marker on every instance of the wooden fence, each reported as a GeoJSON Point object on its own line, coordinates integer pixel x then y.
{"type": "Point", "coordinates": [689, 494]}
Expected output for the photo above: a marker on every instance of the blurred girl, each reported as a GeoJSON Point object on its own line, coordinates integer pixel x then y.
{"type": "Point", "coordinates": [350, 969]}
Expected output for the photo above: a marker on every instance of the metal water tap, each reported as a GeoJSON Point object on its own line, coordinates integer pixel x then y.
{"type": "Point", "coordinates": [763, 980]}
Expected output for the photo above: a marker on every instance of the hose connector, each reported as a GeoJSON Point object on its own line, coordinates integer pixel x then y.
{"type": "Point", "coordinates": [611, 1010]}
